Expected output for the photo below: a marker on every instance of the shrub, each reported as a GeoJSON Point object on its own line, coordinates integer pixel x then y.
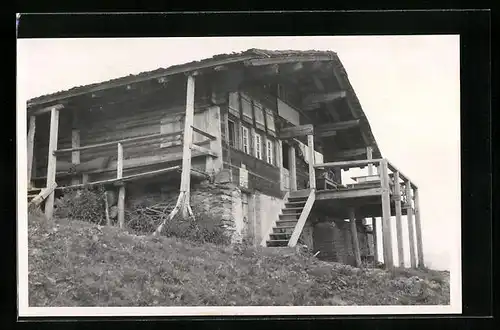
{"type": "Point", "coordinates": [205, 228]}
{"type": "Point", "coordinates": [85, 204]}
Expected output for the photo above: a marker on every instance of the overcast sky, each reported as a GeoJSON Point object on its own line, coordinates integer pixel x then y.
{"type": "Point", "coordinates": [408, 87]}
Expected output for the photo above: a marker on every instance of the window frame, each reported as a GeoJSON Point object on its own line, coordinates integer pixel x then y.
{"type": "Point", "coordinates": [245, 135]}
{"type": "Point", "coordinates": [270, 151]}
{"type": "Point", "coordinates": [258, 146]}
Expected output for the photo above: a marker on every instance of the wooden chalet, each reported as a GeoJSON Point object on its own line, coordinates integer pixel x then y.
{"type": "Point", "coordinates": [282, 124]}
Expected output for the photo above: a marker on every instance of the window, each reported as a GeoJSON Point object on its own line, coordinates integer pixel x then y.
{"type": "Point", "coordinates": [232, 133]}
{"type": "Point", "coordinates": [246, 107]}
{"type": "Point", "coordinates": [234, 104]}
{"type": "Point", "coordinates": [259, 113]}
{"type": "Point", "coordinates": [258, 146]}
{"type": "Point", "coordinates": [270, 151]}
{"type": "Point", "coordinates": [245, 137]}
{"type": "Point", "coordinates": [270, 121]}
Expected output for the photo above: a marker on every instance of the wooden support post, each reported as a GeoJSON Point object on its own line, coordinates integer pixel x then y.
{"type": "Point", "coordinates": [279, 162]}
{"type": "Point", "coordinates": [31, 144]}
{"type": "Point", "coordinates": [375, 242]}
{"type": "Point", "coordinates": [399, 225]}
{"type": "Point", "coordinates": [418, 227]}
{"type": "Point", "coordinates": [52, 160]}
{"type": "Point", "coordinates": [354, 235]}
{"type": "Point", "coordinates": [75, 155]}
{"type": "Point", "coordinates": [386, 215]}
{"type": "Point", "coordinates": [121, 191]}
{"type": "Point", "coordinates": [369, 155]}
{"type": "Point", "coordinates": [214, 164]}
{"type": "Point", "coordinates": [293, 167]}
{"type": "Point", "coordinates": [312, 174]}
{"type": "Point", "coordinates": [411, 231]}
{"type": "Point", "coordinates": [186, 151]}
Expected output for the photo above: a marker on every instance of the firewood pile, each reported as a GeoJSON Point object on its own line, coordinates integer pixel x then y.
{"type": "Point", "coordinates": [145, 215]}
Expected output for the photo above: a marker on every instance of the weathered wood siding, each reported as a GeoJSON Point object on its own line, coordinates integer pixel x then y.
{"type": "Point", "coordinates": [111, 123]}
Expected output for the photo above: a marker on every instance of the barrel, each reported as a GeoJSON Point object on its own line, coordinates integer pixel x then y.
{"type": "Point", "coordinates": [324, 241]}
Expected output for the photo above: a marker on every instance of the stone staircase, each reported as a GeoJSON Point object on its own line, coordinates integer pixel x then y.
{"type": "Point", "coordinates": [297, 208]}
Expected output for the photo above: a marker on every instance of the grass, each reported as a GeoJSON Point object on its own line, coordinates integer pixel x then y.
{"type": "Point", "coordinates": [74, 263]}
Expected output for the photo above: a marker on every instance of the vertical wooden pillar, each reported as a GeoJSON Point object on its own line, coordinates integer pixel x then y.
{"type": "Point", "coordinates": [375, 241]}
{"type": "Point", "coordinates": [186, 151]}
{"type": "Point", "coordinates": [312, 174]}
{"type": "Point", "coordinates": [369, 155]}
{"type": "Point", "coordinates": [354, 235]}
{"type": "Point", "coordinates": [214, 165]}
{"type": "Point", "coordinates": [279, 162]}
{"type": "Point", "coordinates": [31, 144]}
{"type": "Point", "coordinates": [75, 155]}
{"type": "Point", "coordinates": [52, 160]}
{"type": "Point", "coordinates": [411, 231]}
{"type": "Point", "coordinates": [386, 215]}
{"type": "Point", "coordinates": [418, 227]}
{"type": "Point", "coordinates": [399, 225]}
{"type": "Point", "coordinates": [293, 167]}
{"type": "Point", "coordinates": [121, 191]}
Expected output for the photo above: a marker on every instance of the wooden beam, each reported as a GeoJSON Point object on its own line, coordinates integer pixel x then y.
{"type": "Point", "coordinates": [312, 174]}
{"type": "Point", "coordinates": [43, 194]}
{"type": "Point", "coordinates": [399, 224]}
{"type": "Point", "coordinates": [203, 150]}
{"type": "Point", "coordinates": [186, 152]}
{"type": "Point", "coordinates": [302, 218]}
{"type": "Point", "coordinates": [52, 161]}
{"type": "Point", "coordinates": [329, 106]}
{"type": "Point", "coordinates": [47, 109]}
{"type": "Point", "coordinates": [311, 101]}
{"type": "Point", "coordinates": [293, 168]}
{"type": "Point", "coordinates": [341, 125]}
{"type": "Point", "coordinates": [121, 190]}
{"type": "Point", "coordinates": [349, 163]}
{"type": "Point", "coordinates": [354, 235]}
{"type": "Point", "coordinates": [296, 131]}
{"type": "Point", "coordinates": [205, 134]}
{"type": "Point", "coordinates": [418, 227]}
{"type": "Point", "coordinates": [122, 141]}
{"type": "Point", "coordinates": [291, 68]}
{"type": "Point", "coordinates": [325, 134]}
{"type": "Point", "coordinates": [31, 144]}
{"type": "Point", "coordinates": [386, 215]}
{"type": "Point", "coordinates": [214, 165]}
{"type": "Point", "coordinates": [411, 231]}
{"type": "Point", "coordinates": [348, 193]}
{"type": "Point", "coordinates": [351, 153]}
{"type": "Point", "coordinates": [287, 59]}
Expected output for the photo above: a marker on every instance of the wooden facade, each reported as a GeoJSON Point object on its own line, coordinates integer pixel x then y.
{"type": "Point", "coordinates": [284, 124]}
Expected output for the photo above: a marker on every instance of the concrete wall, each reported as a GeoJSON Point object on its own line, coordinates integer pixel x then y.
{"type": "Point", "coordinates": [267, 209]}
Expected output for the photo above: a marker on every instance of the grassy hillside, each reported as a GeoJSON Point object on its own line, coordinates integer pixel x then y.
{"type": "Point", "coordinates": [73, 263]}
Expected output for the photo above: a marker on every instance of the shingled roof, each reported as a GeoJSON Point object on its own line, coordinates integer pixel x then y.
{"type": "Point", "coordinates": [216, 60]}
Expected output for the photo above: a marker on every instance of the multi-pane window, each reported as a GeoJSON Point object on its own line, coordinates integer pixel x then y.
{"type": "Point", "coordinates": [234, 104]}
{"type": "Point", "coordinates": [259, 113]}
{"type": "Point", "coordinates": [270, 121]}
{"type": "Point", "coordinates": [246, 106]}
{"type": "Point", "coordinates": [246, 141]}
{"type": "Point", "coordinates": [270, 151]}
{"type": "Point", "coordinates": [258, 146]}
{"type": "Point", "coordinates": [232, 133]}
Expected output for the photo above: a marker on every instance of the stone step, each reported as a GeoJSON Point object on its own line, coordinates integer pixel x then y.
{"type": "Point", "coordinates": [286, 223]}
{"type": "Point", "coordinates": [292, 210]}
{"type": "Point", "coordinates": [280, 236]}
{"type": "Point", "coordinates": [295, 204]}
{"type": "Point", "coordinates": [289, 216]}
{"type": "Point", "coordinates": [283, 229]}
{"type": "Point", "coordinates": [277, 242]}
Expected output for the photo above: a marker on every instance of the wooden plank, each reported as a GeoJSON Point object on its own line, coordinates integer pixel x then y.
{"type": "Point", "coordinates": [329, 106]}
{"type": "Point", "coordinates": [293, 167]}
{"type": "Point", "coordinates": [47, 109]}
{"type": "Point", "coordinates": [199, 131]}
{"type": "Point", "coordinates": [43, 194]}
{"type": "Point", "coordinates": [296, 131]}
{"type": "Point", "coordinates": [31, 144]}
{"type": "Point", "coordinates": [386, 215]}
{"type": "Point", "coordinates": [394, 169]}
{"type": "Point", "coordinates": [106, 208]}
{"type": "Point", "coordinates": [52, 161]}
{"type": "Point", "coordinates": [122, 141]}
{"type": "Point", "coordinates": [349, 193]}
{"type": "Point", "coordinates": [351, 153]}
{"type": "Point", "coordinates": [418, 228]}
{"type": "Point", "coordinates": [310, 101]}
{"type": "Point", "coordinates": [121, 191]}
{"type": "Point", "coordinates": [399, 224]}
{"type": "Point", "coordinates": [354, 236]}
{"type": "Point", "coordinates": [287, 59]}
{"type": "Point", "coordinates": [119, 162]}
{"type": "Point", "coordinates": [411, 231]}
{"type": "Point", "coordinates": [312, 173]}
{"type": "Point", "coordinates": [349, 163]}
{"type": "Point", "coordinates": [302, 219]}
{"type": "Point", "coordinates": [203, 150]}
{"type": "Point", "coordinates": [325, 134]}
{"type": "Point", "coordinates": [337, 126]}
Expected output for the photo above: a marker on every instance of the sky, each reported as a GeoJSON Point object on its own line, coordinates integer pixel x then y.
{"type": "Point", "coordinates": [408, 86]}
